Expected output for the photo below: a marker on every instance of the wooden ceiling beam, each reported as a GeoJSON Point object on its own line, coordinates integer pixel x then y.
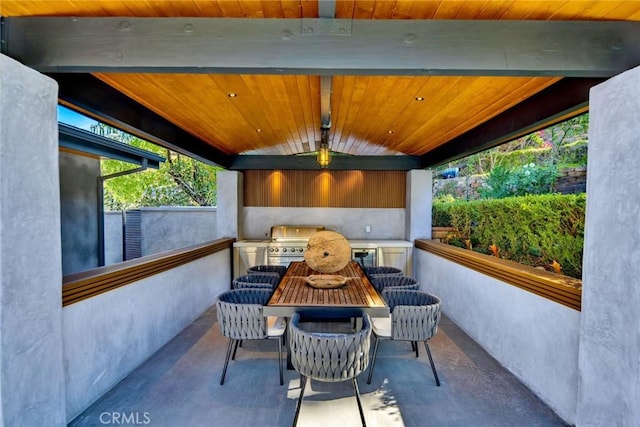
{"type": "Point", "coordinates": [324, 46]}
{"type": "Point", "coordinates": [88, 95]}
{"type": "Point", "coordinates": [558, 102]}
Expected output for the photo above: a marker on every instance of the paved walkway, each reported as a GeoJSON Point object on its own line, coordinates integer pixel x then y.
{"type": "Point", "coordinates": [179, 387]}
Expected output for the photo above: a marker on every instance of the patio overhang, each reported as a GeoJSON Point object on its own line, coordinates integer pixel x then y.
{"type": "Point", "coordinates": [88, 142]}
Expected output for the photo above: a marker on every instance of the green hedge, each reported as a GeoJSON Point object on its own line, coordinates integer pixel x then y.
{"type": "Point", "coordinates": [532, 230]}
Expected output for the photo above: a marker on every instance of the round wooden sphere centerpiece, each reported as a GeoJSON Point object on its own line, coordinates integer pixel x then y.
{"type": "Point", "coordinates": [327, 252]}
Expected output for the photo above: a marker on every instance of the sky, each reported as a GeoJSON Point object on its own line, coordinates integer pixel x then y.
{"type": "Point", "coordinates": [72, 118]}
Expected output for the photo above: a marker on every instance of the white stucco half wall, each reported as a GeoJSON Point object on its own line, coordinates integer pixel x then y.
{"type": "Point", "coordinates": [108, 336]}
{"type": "Point", "coordinates": [534, 338]}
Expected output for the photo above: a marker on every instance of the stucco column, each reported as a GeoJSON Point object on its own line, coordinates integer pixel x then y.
{"type": "Point", "coordinates": [609, 363]}
{"type": "Point", "coordinates": [32, 388]}
{"type": "Point", "coordinates": [230, 204]}
{"type": "Point", "coordinates": [419, 204]}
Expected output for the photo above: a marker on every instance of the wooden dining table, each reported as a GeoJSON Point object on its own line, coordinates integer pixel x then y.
{"type": "Point", "coordinates": [354, 299]}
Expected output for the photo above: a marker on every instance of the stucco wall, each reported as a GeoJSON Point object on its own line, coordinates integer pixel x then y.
{"type": "Point", "coordinates": [385, 223]}
{"type": "Point", "coordinates": [79, 212]}
{"type": "Point", "coordinates": [31, 367]}
{"type": "Point", "coordinates": [113, 237]}
{"type": "Point", "coordinates": [534, 338]}
{"type": "Point", "coordinates": [610, 336]}
{"type": "Point", "coordinates": [164, 229]}
{"type": "Point", "coordinates": [107, 336]}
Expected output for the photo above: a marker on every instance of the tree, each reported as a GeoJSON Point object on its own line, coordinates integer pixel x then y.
{"type": "Point", "coordinates": [180, 181]}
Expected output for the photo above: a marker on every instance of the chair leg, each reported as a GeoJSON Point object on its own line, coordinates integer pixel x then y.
{"type": "Point", "coordinates": [226, 360]}
{"type": "Point", "coordinates": [373, 361]}
{"type": "Point", "coordinates": [238, 342]}
{"type": "Point", "coordinates": [355, 387]}
{"type": "Point", "coordinates": [280, 343]}
{"type": "Point", "coordinates": [303, 382]}
{"type": "Point", "coordinates": [433, 367]}
{"type": "Point", "coordinates": [417, 349]}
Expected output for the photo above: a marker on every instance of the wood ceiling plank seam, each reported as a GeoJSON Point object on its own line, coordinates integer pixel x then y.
{"type": "Point", "coordinates": [209, 9]}
{"type": "Point", "coordinates": [273, 88]}
{"type": "Point", "coordinates": [449, 115]}
{"type": "Point", "coordinates": [388, 100]}
{"type": "Point", "coordinates": [397, 106]}
{"type": "Point", "coordinates": [251, 99]}
{"type": "Point", "coordinates": [291, 9]}
{"type": "Point", "coordinates": [599, 10]}
{"type": "Point", "coordinates": [521, 91]}
{"type": "Point", "coordinates": [314, 90]}
{"type": "Point", "coordinates": [448, 89]}
{"type": "Point", "coordinates": [345, 9]}
{"type": "Point", "coordinates": [364, 9]}
{"type": "Point", "coordinates": [336, 117]}
{"type": "Point", "coordinates": [493, 9]}
{"type": "Point", "coordinates": [383, 9]}
{"type": "Point", "coordinates": [460, 104]}
{"type": "Point", "coordinates": [518, 90]}
{"type": "Point", "coordinates": [470, 10]}
{"type": "Point", "coordinates": [288, 85]}
{"type": "Point", "coordinates": [227, 120]}
{"type": "Point", "coordinates": [304, 111]}
{"type": "Point", "coordinates": [403, 122]}
{"type": "Point", "coordinates": [230, 9]}
{"type": "Point", "coordinates": [304, 89]}
{"type": "Point", "coordinates": [622, 11]}
{"type": "Point", "coordinates": [271, 9]}
{"type": "Point", "coordinates": [571, 10]}
{"type": "Point", "coordinates": [355, 104]}
{"type": "Point", "coordinates": [286, 122]}
{"type": "Point", "coordinates": [221, 116]}
{"type": "Point", "coordinates": [124, 82]}
{"type": "Point", "coordinates": [309, 8]}
{"type": "Point", "coordinates": [448, 9]}
{"type": "Point", "coordinates": [543, 13]}
{"type": "Point", "coordinates": [413, 9]}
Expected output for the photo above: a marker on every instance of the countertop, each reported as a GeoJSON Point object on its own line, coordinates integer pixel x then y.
{"type": "Point", "coordinates": [364, 244]}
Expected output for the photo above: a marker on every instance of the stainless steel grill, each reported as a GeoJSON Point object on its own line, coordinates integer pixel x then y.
{"type": "Point", "coordinates": [288, 243]}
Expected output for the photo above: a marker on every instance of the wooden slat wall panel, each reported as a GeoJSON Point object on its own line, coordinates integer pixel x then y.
{"type": "Point", "coordinates": [335, 189]}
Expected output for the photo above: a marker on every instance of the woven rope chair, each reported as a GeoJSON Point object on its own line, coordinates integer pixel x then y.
{"type": "Point", "coordinates": [329, 357]}
{"type": "Point", "coordinates": [257, 280]}
{"type": "Point", "coordinates": [240, 318]}
{"type": "Point", "coordinates": [388, 270]}
{"type": "Point", "coordinates": [257, 269]}
{"type": "Point", "coordinates": [384, 281]}
{"type": "Point", "coordinates": [414, 317]}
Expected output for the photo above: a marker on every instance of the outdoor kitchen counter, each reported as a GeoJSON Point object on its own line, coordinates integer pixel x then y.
{"type": "Point", "coordinates": [373, 244]}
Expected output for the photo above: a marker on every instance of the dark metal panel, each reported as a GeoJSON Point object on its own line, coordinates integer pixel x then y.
{"type": "Point", "coordinates": [245, 162]}
{"type": "Point", "coordinates": [132, 234]}
{"type": "Point", "coordinates": [107, 104]}
{"type": "Point", "coordinates": [88, 142]}
{"type": "Point", "coordinates": [539, 111]}
{"type": "Point", "coordinates": [325, 46]}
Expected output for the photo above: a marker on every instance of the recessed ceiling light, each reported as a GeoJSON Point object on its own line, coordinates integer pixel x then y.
{"type": "Point", "coordinates": [232, 94]}
{"type": "Point", "coordinates": [258, 130]}
{"type": "Point", "coordinates": [419, 98]}
{"type": "Point", "coordinates": [389, 131]}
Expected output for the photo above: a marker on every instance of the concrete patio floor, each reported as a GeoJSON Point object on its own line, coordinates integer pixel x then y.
{"type": "Point", "coordinates": [179, 386]}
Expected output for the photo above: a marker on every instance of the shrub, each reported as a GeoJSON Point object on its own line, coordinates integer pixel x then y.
{"type": "Point", "coordinates": [528, 179]}
{"type": "Point", "coordinates": [534, 230]}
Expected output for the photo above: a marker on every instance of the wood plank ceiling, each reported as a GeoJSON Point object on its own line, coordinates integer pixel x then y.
{"type": "Point", "coordinates": [371, 114]}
